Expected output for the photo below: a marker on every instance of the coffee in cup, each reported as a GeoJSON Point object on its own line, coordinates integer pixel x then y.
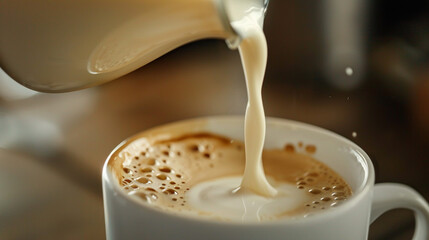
{"type": "Point", "coordinates": [198, 174]}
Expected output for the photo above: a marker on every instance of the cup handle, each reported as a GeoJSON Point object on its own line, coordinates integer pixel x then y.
{"type": "Point", "coordinates": [388, 196]}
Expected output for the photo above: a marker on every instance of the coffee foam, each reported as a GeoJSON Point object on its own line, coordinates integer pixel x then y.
{"type": "Point", "coordinates": [165, 174]}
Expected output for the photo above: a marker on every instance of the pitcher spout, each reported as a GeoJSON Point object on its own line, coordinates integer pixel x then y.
{"type": "Point", "coordinates": [236, 10]}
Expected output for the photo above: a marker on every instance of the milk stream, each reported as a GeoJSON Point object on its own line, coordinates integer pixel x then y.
{"type": "Point", "coordinates": [255, 196]}
{"type": "Point", "coordinates": [246, 20]}
{"type": "Point", "coordinates": [253, 52]}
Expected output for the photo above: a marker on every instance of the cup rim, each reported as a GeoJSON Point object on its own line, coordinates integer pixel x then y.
{"type": "Point", "coordinates": [358, 194]}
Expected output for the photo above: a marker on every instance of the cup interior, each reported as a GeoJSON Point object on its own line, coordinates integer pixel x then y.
{"type": "Point", "coordinates": [339, 153]}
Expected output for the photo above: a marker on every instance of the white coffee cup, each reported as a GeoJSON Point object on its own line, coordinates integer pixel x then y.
{"type": "Point", "coordinates": [127, 218]}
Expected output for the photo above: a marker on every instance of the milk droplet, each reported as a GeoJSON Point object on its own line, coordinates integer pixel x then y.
{"type": "Point", "coordinates": [354, 134]}
{"type": "Point", "coordinates": [349, 71]}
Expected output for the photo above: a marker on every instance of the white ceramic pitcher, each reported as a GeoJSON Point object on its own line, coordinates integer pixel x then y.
{"type": "Point", "coordinates": [59, 46]}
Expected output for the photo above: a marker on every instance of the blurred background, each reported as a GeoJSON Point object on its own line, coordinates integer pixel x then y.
{"type": "Point", "coordinates": [358, 68]}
